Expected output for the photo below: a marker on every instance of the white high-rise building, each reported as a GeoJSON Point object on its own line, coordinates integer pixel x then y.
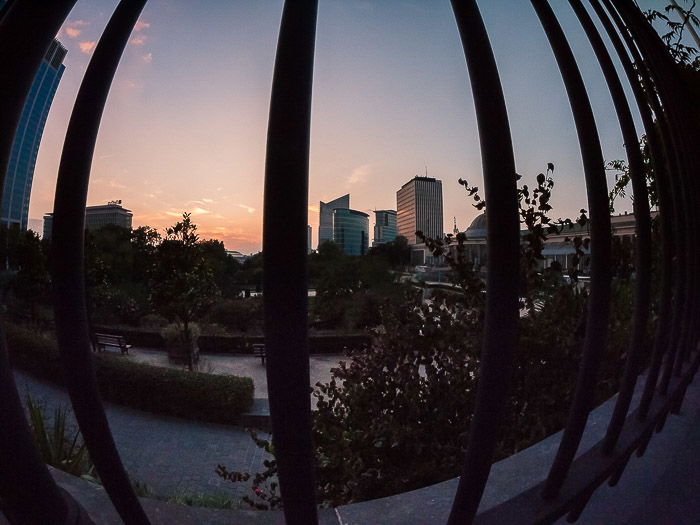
{"type": "Point", "coordinates": [419, 208]}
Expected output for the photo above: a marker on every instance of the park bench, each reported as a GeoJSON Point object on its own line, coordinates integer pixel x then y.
{"type": "Point", "coordinates": [259, 351]}
{"type": "Point", "coordinates": [118, 341]}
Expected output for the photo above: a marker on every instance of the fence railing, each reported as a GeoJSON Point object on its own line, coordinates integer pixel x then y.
{"type": "Point", "coordinates": [29, 495]}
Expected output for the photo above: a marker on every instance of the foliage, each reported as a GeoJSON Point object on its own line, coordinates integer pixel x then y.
{"type": "Point", "coordinates": [182, 283]}
{"type": "Point", "coordinates": [673, 37]}
{"type": "Point", "coordinates": [396, 253]}
{"type": "Point", "coordinates": [196, 396]}
{"type": "Point", "coordinates": [199, 499]}
{"type": "Point", "coordinates": [402, 386]}
{"type": "Point", "coordinates": [58, 445]}
{"type": "Point", "coordinates": [349, 290]}
{"type": "Point", "coordinates": [172, 333]}
{"type": "Point", "coordinates": [238, 315]}
{"type": "Point", "coordinates": [264, 485]}
{"type": "Point", "coordinates": [623, 181]}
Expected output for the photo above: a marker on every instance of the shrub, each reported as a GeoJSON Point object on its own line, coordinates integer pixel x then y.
{"type": "Point", "coordinates": [190, 395]}
{"type": "Point", "coordinates": [238, 315]}
{"type": "Point", "coordinates": [59, 445]}
{"type": "Point", "coordinates": [153, 321]}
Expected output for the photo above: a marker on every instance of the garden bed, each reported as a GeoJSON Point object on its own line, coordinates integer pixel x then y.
{"type": "Point", "coordinates": [179, 393]}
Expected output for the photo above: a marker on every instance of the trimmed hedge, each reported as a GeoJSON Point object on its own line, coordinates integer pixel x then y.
{"type": "Point", "coordinates": [241, 344]}
{"type": "Point", "coordinates": [179, 393]}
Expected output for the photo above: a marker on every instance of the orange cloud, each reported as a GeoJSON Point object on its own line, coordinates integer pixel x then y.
{"type": "Point", "coordinates": [72, 28]}
{"type": "Point", "coordinates": [138, 40]}
{"type": "Point", "coordinates": [249, 209]}
{"type": "Point", "coordinates": [87, 47]}
{"type": "Point", "coordinates": [141, 25]}
{"type": "Point", "coordinates": [148, 58]}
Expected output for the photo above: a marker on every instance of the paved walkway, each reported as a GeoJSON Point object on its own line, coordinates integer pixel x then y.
{"type": "Point", "coordinates": [170, 455]}
{"type": "Point", "coordinates": [173, 455]}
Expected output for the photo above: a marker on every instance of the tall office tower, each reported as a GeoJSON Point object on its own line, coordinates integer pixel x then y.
{"type": "Point", "coordinates": [419, 208]}
{"type": "Point", "coordinates": [384, 226]}
{"type": "Point", "coordinates": [351, 231]}
{"type": "Point", "coordinates": [20, 170]}
{"type": "Point", "coordinates": [325, 217]}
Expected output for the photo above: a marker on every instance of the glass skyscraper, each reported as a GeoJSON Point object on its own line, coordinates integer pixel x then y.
{"type": "Point", "coordinates": [384, 226]}
{"type": "Point", "coordinates": [325, 217]}
{"type": "Point", "coordinates": [351, 231]}
{"type": "Point", "coordinates": [20, 170]}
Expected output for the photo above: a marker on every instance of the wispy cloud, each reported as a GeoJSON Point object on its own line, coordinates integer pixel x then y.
{"type": "Point", "coordinates": [204, 199]}
{"type": "Point", "coordinates": [87, 47]}
{"type": "Point", "coordinates": [313, 208]}
{"type": "Point", "coordinates": [115, 184]}
{"type": "Point", "coordinates": [138, 40]}
{"type": "Point", "coordinates": [359, 175]}
{"type": "Point", "coordinates": [199, 211]}
{"type": "Point", "coordinates": [141, 25]}
{"type": "Point", "coordinates": [249, 209]}
{"type": "Point", "coordinates": [148, 58]}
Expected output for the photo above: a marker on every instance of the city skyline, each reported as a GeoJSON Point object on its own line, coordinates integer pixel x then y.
{"type": "Point", "coordinates": [391, 97]}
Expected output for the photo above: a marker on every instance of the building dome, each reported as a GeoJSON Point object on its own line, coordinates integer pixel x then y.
{"type": "Point", "coordinates": [477, 229]}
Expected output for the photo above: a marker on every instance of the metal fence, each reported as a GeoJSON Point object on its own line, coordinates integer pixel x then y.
{"type": "Point", "coordinates": [27, 491]}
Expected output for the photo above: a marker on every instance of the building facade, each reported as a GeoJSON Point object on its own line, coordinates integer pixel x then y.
{"type": "Point", "coordinates": [20, 170]}
{"type": "Point", "coordinates": [97, 217]}
{"type": "Point", "coordinates": [419, 208]}
{"type": "Point", "coordinates": [384, 226]}
{"type": "Point", "coordinates": [325, 216]}
{"type": "Point", "coordinates": [351, 231]}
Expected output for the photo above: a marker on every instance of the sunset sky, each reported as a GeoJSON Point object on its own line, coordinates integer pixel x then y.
{"type": "Point", "coordinates": [185, 123]}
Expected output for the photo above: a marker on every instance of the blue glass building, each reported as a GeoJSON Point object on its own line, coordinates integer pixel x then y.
{"type": "Point", "coordinates": [351, 231]}
{"type": "Point", "coordinates": [20, 170]}
{"type": "Point", "coordinates": [384, 226]}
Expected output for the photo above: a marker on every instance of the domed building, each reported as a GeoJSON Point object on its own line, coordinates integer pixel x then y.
{"type": "Point", "coordinates": [477, 229]}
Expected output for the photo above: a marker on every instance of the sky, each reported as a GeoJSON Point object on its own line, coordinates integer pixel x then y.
{"type": "Point", "coordinates": [185, 122]}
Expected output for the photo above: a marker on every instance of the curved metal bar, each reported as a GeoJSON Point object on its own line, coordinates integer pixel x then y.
{"type": "Point", "coordinates": [68, 260]}
{"type": "Point", "coordinates": [685, 132]}
{"type": "Point", "coordinates": [590, 469]}
{"type": "Point", "coordinates": [643, 228]}
{"type": "Point", "coordinates": [599, 301]}
{"type": "Point", "coordinates": [284, 259]}
{"type": "Point", "coordinates": [664, 162]}
{"type": "Point", "coordinates": [500, 330]}
{"type": "Point", "coordinates": [675, 93]}
{"type": "Point", "coordinates": [27, 490]}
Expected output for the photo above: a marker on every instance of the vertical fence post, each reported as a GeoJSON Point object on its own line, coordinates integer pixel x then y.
{"type": "Point", "coordinates": [285, 218]}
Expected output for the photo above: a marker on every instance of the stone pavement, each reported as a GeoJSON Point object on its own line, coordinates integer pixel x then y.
{"type": "Point", "coordinates": [174, 456]}
{"type": "Point", "coordinates": [170, 455]}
